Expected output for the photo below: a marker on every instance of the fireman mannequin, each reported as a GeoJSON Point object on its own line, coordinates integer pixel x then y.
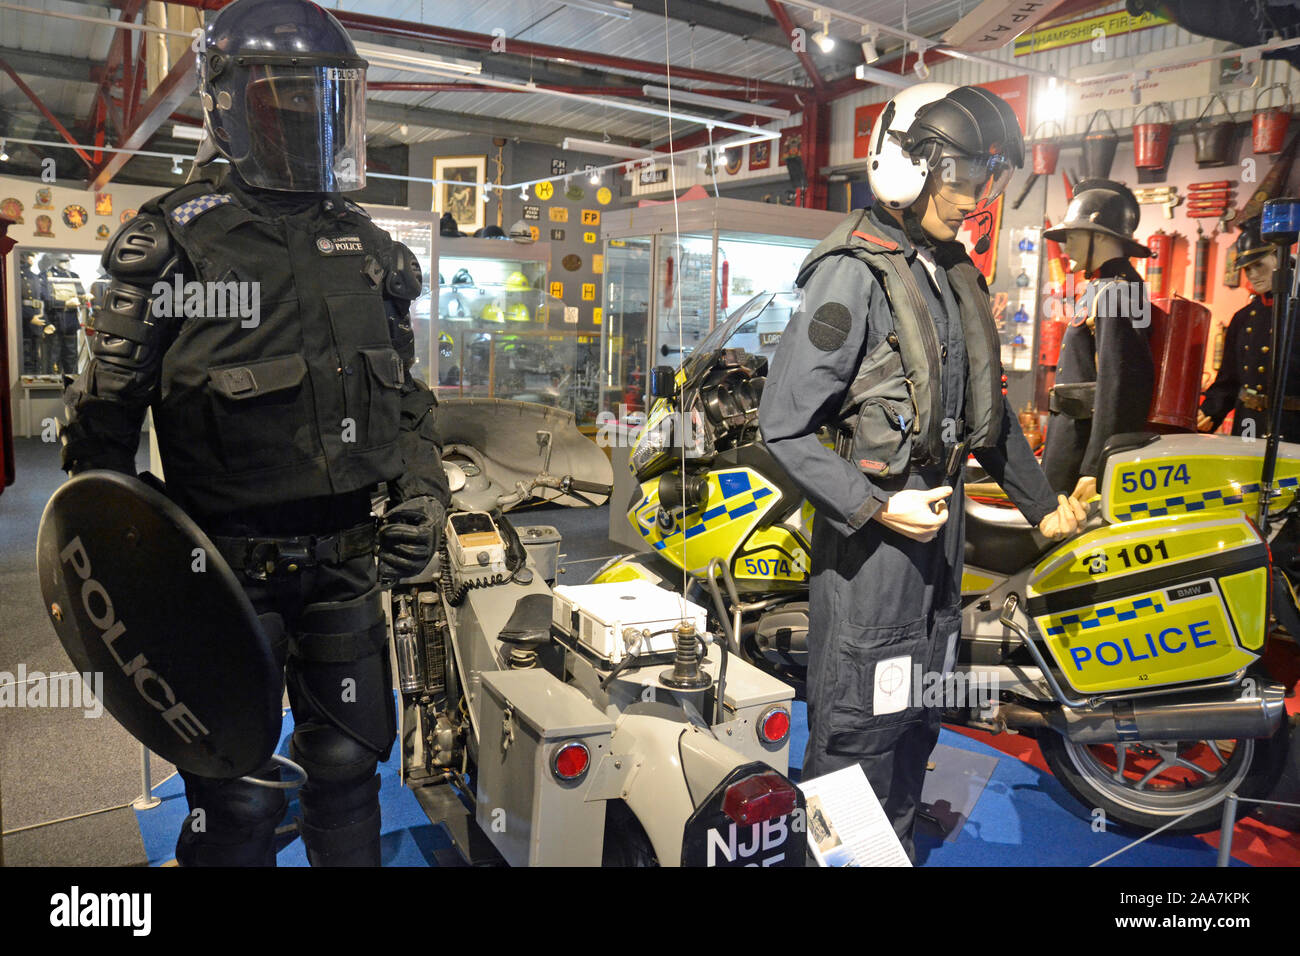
{"type": "Point", "coordinates": [1105, 376]}
{"type": "Point", "coordinates": [1244, 375]}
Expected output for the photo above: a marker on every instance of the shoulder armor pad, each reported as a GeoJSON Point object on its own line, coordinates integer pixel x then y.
{"type": "Point", "coordinates": [353, 207]}
{"type": "Point", "coordinates": [404, 279]}
{"type": "Point", "coordinates": [142, 250]}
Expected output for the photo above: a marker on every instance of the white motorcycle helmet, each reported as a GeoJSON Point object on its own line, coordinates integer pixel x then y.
{"type": "Point", "coordinates": [896, 178]}
{"type": "Point", "coordinates": [968, 131]}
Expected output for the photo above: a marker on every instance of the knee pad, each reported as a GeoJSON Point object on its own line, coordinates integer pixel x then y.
{"type": "Point", "coordinates": [231, 822]}
{"type": "Point", "coordinates": [330, 756]}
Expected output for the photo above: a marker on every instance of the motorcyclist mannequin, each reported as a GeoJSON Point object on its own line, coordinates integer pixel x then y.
{"type": "Point", "coordinates": [273, 429]}
{"type": "Point", "coordinates": [1105, 374]}
{"type": "Point", "coordinates": [887, 549]}
{"type": "Point", "coordinates": [1245, 374]}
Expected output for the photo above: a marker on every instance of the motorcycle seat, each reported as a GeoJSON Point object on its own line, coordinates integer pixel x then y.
{"type": "Point", "coordinates": [1000, 539]}
{"type": "Point", "coordinates": [530, 622]}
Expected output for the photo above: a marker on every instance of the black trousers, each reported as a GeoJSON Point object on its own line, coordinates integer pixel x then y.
{"type": "Point", "coordinates": [332, 641]}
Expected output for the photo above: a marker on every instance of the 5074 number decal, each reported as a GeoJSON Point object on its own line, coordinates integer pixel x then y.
{"type": "Point", "coordinates": [767, 567]}
{"type": "Point", "coordinates": [1149, 479]}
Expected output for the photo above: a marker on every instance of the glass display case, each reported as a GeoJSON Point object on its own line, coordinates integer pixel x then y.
{"type": "Point", "coordinates": [415, 230]}
{"type": "Point", "coordinates": [671, 275]}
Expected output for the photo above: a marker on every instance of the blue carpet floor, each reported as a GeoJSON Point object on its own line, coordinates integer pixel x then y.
{"type": "Point", "coordinates": [1023, 818]}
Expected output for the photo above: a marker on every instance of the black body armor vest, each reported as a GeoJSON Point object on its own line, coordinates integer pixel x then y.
{"type": "Point", "coordinates": [301, 402]}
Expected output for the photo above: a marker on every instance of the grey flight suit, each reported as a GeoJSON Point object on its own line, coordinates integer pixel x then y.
{"type": "Point", "coordinates": [882, 605]}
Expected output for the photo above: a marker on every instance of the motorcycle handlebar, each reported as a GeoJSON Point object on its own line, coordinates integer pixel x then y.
{"type": "Point", "coordinates": [570, 483]}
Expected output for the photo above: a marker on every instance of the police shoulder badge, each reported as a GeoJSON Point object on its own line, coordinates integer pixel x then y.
{"type": "Point", "coordinates": [75, 216]}
{"type": "Point", "coordinates": [12, 209]}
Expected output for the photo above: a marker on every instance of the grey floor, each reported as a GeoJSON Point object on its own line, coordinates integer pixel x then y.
{"type": "Point", "coordinates": [67, 781]}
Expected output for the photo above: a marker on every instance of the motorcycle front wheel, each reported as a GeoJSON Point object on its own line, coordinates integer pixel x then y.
{"type": "Point", "coordinates": [1142, 785]}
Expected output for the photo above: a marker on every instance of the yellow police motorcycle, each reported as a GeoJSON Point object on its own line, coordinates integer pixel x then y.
{"type": "Point", "coordinates": [1140, 652]}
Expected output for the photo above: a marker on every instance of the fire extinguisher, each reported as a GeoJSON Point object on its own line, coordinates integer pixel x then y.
{"type": "Point", "coordinates": [1161, 245]}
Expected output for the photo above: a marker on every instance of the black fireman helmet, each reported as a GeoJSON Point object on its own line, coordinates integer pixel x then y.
{"type": "Point", "coordinates": [284, 96]}
{"type": "Point", "coordinates": [1103, 206]}
{"type": "Point", "coordinates": [1250, 247]}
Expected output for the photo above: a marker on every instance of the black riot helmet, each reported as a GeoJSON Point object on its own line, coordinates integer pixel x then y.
{"type": "Point", "coordinates": [970, 139]}
{"type": "Point", "coordinates": [284, 96]}
{"type": "Point", "coordinates": [1103, 206]}
{"type": "Point", "coordinates": [1250, 246]}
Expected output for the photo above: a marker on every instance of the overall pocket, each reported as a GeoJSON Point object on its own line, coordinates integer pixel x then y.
{"type": "Point", "coordinates": [882, 438]}
{"type": "Point", "coordinates": [873, 693]}
{"type": "Point", "coordinates": [262, 412]}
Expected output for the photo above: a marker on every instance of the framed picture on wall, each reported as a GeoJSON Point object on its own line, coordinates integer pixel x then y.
{"type": "Point", "coordinates": [460, 195]}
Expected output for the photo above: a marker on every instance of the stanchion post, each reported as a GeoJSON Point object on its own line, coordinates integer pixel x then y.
{"type": "Point", "coordinates": [146, 800]}
{"type": "Point", "coordinates": [1226, 825]}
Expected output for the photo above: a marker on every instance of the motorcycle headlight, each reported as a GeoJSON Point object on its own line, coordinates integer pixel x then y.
{"type": "Point", "coordinates": [653, 444]}
{"type": "Point", "coordinates": [697, 431]}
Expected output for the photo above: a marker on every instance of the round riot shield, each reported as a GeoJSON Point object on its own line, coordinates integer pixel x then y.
{"type": "Point", "coordinates": [139, 595]}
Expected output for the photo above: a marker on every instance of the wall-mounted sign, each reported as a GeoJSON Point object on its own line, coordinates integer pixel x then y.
{"type": "Point", "coordinates": [589, 238]}
{"type": "Point", "coordinates": [544, 191]}
{"type": "Point", "coordinates": [1105, 25]}
{"type": "Point", "coordinates": [557, 290]}
{"type": "Point", "coordinates": [558, 213]}
{"type": "Point", "coordinates": [532, 212]}
{"type": "Point", "coordinates": [591, 217]}
{"type": "Point", "coordinates": [557, 235]}
{"type": "Point", "coordinates": [559, 167]}
{"type": "Point", "coordinates": [651, 176]}
{"type": "Point", "coordinates": [604, 195]}
{"type": "Point", "coordinates": [760, 154]}
{"type": "Point", "coordinates": [588, 292]}
{"type": "Point", "coordinates": [596, 315]}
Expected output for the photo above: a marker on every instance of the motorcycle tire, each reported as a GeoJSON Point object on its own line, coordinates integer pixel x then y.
{"type": "Point", "coordinates": [1259, 764]}
{"type": "Point", "coordinates": [626, 843]}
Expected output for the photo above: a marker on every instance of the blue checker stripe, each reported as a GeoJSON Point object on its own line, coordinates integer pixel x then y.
{"type": "Point", "coordinates": [1158, 512]}
{"type": "Point", "coordinates": [714, 513]}
{"type": "Point", "coordinates": [1144, 602]}
{"type": "Point", "coordinates": [1092, 622]}
{"type": "Point", "coordinates": [762, 493]}
{"type": "Point", "coordinates": [1196, 506]}
{"type": "Point", "coordinates": [186, 212]}
{"type": "Point", "coordinates": [1126, 615]}
{"type": "Point", "coordinates": [1212, 494]}
{"type": "Point", "coordinates": [1054, 631]}
{"type": "Point", "coordinates": [1175, 500]}
{"type": "Point", "coordinates": [743, 510]}
{"type": "Point", "coordinates": [733, 483]}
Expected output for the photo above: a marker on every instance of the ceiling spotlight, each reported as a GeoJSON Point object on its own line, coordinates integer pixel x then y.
{"type": "Point", "coordinates": [594, 178]}
{"type": "Point", "coordinates": [523, 193]}
{"type": "Point", "coordinates": [825, 42]}
{"type": "Point", "coordinates": [404, 129]}
{"type": "Point", "coordinates": [722, 153]}
{"type": "Point", "coordinates": [919, 68]}
{"type": "Point", "coordinates": [870, 54]}
{"type": "Point", "coordinates": [704, 159]}
{"type": "Point", "coordinates": [176, 166]}
{"type": "Point", "coordinates": [4, 153]}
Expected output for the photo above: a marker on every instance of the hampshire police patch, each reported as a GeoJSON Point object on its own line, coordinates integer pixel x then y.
{"type": "Point", "coordinates": [829, 326]}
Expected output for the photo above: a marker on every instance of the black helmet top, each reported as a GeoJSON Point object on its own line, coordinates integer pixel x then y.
{"type": "Point", "coordinates": [284, 95]}
{"type": "Point", "coordinates": [1250, 247]}
{"type": "Point", "coordinates": [1103, 206]}
{"type": "Point", "coordinates": [970, 120]}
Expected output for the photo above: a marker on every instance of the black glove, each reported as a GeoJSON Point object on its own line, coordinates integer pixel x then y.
{"type": "Point", "coordinates": [409, 535]}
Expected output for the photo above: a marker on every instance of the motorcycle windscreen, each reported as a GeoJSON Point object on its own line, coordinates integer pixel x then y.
{"type": "Point", "coordinates": [505, 433]}
{"type": "Point", "coordinates": [307, 129]}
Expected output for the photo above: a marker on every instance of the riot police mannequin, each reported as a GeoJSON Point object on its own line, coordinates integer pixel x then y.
{"type": "Point", "coordinates": [1244, 378]}
{"type": "Point", "coordinates": [273, 429]}
{"type": "Point", "coordinates": [1105, 375]}
{"type": "Point", "coordinates": [32, 296]}
{"type": "Point", "coordinates": [64, 295]}
{"type": "Point", "coordinates": [894, 349]}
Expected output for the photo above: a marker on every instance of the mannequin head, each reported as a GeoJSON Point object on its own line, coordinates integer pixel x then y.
{"type": "Point", "coordinates": [29, 261]}
{"type": "Point", "coordinates": [1260, 273]}
{"type": "Point", "coordinates": [1089, 250]}
{"type": "Point", "coordinates": [943, 206]}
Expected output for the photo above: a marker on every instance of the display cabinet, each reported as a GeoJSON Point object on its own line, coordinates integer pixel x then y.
{"type": "Point", "coordinates": [671, 272]}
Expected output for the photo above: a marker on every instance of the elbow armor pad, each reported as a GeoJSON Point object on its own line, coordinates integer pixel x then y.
{"type": "Point", "coordinates": [404, 279]}
{"type": "Point", "coordinates": [141, 254]}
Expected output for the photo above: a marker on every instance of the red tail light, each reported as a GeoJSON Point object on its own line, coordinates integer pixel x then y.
{"type": "Point", "coordinates": [764, 796]}
{"type": "Point", "coordinates": [570, 761]}
{"type": "Point", "coordinates": [774, 725]}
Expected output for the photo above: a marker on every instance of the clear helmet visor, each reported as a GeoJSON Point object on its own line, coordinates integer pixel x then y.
{"type": "Point", "coordinates": [978, 180]}
{"type": "Point", "coordinates": [306, 128]}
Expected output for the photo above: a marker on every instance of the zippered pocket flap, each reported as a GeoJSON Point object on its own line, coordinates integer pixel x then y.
{"type": "Point", "coordinates": [882, 439]}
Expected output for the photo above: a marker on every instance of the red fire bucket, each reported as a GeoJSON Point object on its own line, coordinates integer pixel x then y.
{"type": "Point", "coordinates": [1268, 128]}
{"type": "Point", "coordinates": [1046, 152]}
{"type": "Point", "coordinates": [1151, 140]}
{"type": "Point", "coordinates": [1180, 329]}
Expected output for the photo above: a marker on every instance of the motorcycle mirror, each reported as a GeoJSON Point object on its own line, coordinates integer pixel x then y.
{"type": "Point", "coordinates": [661, 381]}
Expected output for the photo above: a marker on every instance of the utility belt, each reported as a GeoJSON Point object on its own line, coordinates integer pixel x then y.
{"type": "Point", "coordinates": [1257, 401]}
{"type": "Point", "coordinates": [32, 304]}
{"type": "Point", "coordinates": [272, 557]}
{"type": "Point", "coordinates": [1075, 400]}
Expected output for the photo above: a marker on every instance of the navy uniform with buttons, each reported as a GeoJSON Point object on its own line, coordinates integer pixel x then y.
{"type": "Point", "coordinates": [1245, 373]}
{"type": "Point", "coordinates": [875, 594]}
{"type": "Point", "coordinates": [1116, 355]}
{"type": "Point", "coordinates": [66, 321]}
{"type": "Point", "coordinates": [32, 296]}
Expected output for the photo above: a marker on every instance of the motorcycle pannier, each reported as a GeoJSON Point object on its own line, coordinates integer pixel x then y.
{"type": "Point", "coordinates": [1153, 603]}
